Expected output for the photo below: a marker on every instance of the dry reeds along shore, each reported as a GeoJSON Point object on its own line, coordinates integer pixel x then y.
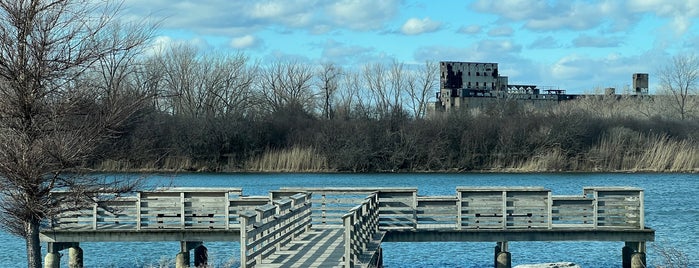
{"type": "Point", "coordinates": [591, 134]}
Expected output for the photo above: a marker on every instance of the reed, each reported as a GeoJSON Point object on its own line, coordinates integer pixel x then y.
{"type": "Point", "coordinates": [289, 160]}
{"type": "Point", "coordinates": [548, 160]}
{"type": "Point", "coordinates": [625, 150]}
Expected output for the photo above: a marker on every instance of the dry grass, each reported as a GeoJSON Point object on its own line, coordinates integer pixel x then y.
{"type": "Point", "coordinates": [548, 160]}
{"type": "Point", "coordinates": [624, 150]}
{"type": "Point", "coordinates": [289, 160]}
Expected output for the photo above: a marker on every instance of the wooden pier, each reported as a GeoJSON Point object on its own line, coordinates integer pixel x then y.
{"type": "Point", "coordinates": [344, 227]}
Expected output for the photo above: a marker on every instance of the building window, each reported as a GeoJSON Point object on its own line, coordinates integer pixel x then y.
{"type": "Point", "coordinates": [478, 74]}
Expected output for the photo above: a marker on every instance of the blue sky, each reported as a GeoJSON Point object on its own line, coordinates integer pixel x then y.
{"type": "Point", "coordinates": [574, 45]}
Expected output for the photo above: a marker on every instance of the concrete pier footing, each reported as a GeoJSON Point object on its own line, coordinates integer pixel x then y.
{"type": "Point", "coordinates": [638, 260]}
{"type": "Point", "coordinates": [182, 260]}
{"type": "Point", "coordinates": [75, 257]}
{"type": "Point", "coordinates": [200, 254]}
{"type": "Point", "coordinates": [53, 255]}
{"type": "Point", "coordinates": [633, 255]}
{"type": "Point", "coordinates": [503, 258]}
{"type": "Point", "coordinates": [52, 260]}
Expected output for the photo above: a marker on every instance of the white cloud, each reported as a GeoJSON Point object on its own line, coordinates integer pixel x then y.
{"type": "Point", "coordinates": [501, 31]}
{"type": "Point", "coordinates": [245, 41]}
{"type": "Point", "coordinates": [345, 54]}
{"type": "Point", "coordinates": [362, 14]}
{"type": "Point", "coordinates": [416, 26]}
{"type": "Point", "coordinates": [570, 67]}
{"type": "Point", "coordinates": [513, 9]}
{"type": "Point", "coordinates": [559, 15]}
{"type": "Point", "coordinates": [597, 41]}
{"type": "Point", "coordinates": [161, 43]}
{"type": "Point", "coordinates": [546, 42]}
{"type": "Point", "coordinates": [470, 29]}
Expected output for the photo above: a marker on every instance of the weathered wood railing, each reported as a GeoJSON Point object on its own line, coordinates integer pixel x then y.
{"type": "Point", "coordinates": [486, 207]}
{"type": "Point", "coordinates": [361, 227]}
{"type": "Point", "coordinates": [399, 208]}
{"type": "Point", "coordinates": [175, 208]}
{"type": "Point", "coordinates": [271, 226]}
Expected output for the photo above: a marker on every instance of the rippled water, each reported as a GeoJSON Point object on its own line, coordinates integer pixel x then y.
{"type": "Point", "coordinates": [671, 202]}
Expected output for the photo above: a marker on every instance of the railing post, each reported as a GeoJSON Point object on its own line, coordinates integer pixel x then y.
{"type": "Point", "coordinates": [550, 210]}
{"type": "Point", "coordinates": [227, 211]}
{"type": "Point", "coordinates": [504, 209]}
{"type": "Point", "coordinates": [94, 216]}
{"type": "Point", "coordinates": [459, 216]}
{"type": "Point", "coordinates": [243, 241]}
{"type": "Point", "coordinates": [595, 209]}
{"type": "Point", "coordinates": [182, 210]}
{"type": "Point", "coordinates": [138, 211]}
{"type": "Point", "coordinates": [641, 212]}
{"type": "Point", "coordinates": [322, 209]}
{"type": "Point", "coordinates": [347, 221]}
{"type": "Point", "coordinates": [414, 207]}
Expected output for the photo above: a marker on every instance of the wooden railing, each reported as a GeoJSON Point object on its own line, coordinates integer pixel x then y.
{"type": "Point", "coordinates": [486, 207]}
{"type": "Point", "coordinates": [270, 227]}
{"type": "Point", "coordinates": [175, 208]}
{"type": "Point", "coordinates": [361, 227]}
{"type": "Point", "coordinates": [399, 208]}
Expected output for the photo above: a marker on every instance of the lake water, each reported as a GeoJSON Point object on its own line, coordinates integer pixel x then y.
{"type": "Point", "coordinates": [671, 208]}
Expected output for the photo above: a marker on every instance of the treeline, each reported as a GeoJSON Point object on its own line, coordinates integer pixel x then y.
{"type": "Point", "coordinates": [228, 113]}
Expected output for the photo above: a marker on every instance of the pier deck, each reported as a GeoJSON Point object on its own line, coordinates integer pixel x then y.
{"type": "Point", "coordinates": [344, 227]}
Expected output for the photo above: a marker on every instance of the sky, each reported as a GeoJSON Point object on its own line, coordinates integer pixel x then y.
{"type": "Point", "coordinates": [581, 46]}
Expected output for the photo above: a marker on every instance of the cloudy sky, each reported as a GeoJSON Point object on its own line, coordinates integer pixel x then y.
{"type": "Point", "coordinates": [576, 45]}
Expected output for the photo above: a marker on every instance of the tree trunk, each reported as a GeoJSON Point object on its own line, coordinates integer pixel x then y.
{"type": "Point", "coordinates": [33, 244]}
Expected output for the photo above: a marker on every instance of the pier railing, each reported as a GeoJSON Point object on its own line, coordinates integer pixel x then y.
{"type": "Point", "coordinates": [361, 229]}
{"type": "Point", "coordinates": [174, 208]}
{"type": "Point", "coordinates": [270, 227]}
{"type": "Point", "coordinates": [485, 208]}
{"type": "Point", "coordinates": [399, 208]}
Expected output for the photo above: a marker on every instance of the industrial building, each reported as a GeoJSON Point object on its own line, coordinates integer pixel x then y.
{"type": "Point", "coordinates": [465, 85]}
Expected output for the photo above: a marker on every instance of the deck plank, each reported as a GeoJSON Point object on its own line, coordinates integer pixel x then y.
{"type": "Point", "coordinates": [315, 248]}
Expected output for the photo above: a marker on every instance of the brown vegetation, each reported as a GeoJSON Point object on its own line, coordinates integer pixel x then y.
{"type": "Point", "coordinates": [567, 138]}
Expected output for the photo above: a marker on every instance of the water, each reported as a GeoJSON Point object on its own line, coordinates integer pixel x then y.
{"type": "Point", "coordinates": [671, 207]}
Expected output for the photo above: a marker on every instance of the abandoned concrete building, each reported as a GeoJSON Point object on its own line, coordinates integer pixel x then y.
{"type": "Point", "coordinates": [466, 85]}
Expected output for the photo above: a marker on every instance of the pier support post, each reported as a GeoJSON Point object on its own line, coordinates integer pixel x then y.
{"type": "Point", "coordinates": [75, 257]}
{"type": "Point", "coordinates": [626, 253]}
{"type": "Point", "coordinates": [633, 255]}
{"type": "Point", "coordinates": [495, 255]}
{"type": "Point", "coordinates": [52, 260]}
{"type": "Point", "coordinates": [201, 257]}
{"type": "Point", "coordinates": [182, 259]}
{"type": "Point", "coordinates": [503, 258]}
{"type": "Point", "coordinates": [53, 255]}
{"type": "Point", "coordinates": [638, 260]}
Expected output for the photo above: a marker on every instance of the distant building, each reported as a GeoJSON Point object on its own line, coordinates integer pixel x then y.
{"type": "Point", "coordinates": [476, 84]}
{"type": "Point", "coordinates": [640, 83]}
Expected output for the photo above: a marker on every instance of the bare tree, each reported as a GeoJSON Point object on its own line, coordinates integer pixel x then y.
{"type": "Point", "coordinates": [420, 85]}
{"type": "Point", "coordinates": [329, 76]}
{"type": "Point", "coordinates": [283, 84]}
{"type": "Point", "coordinates": [199, 85]}
{"type": "Point", "coordinates": [350, 100]}
{"type": "Point", "coordinates": [50, 119]}
{"type": "Point", "coordinates": [680, 79]}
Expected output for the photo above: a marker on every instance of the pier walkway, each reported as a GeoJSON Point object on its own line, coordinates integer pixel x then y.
{"type": "Point", "coordinates": [344, 227]}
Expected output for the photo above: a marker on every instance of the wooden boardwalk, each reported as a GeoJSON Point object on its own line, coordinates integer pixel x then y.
{"type": "Point", "coordinates": [344, 227]}
{"type": "Point", "coordinates": [314, 248]}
